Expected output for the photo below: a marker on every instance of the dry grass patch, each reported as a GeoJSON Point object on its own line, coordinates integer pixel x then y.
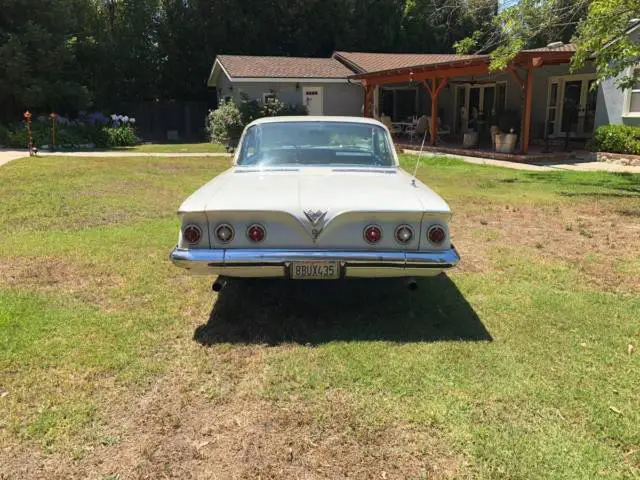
{"type": "Point", "coordinates": [175, 430]}
{"type": "Point", "coordinates": [592, 238]}
{"type": "Point", "coordinates": [83, 281]}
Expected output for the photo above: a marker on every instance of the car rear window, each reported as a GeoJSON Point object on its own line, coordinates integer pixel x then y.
{"type": "Point", "coordinates": [316, 143]}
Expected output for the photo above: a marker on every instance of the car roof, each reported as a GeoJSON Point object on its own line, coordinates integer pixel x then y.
{"type": "Point", "coordinates": [316, 118]}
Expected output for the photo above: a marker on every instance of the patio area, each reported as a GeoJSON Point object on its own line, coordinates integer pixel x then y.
{"type": "Point", "coordinates": [533, 110]}
{"type": "Point", "coordinates": [537, 153]}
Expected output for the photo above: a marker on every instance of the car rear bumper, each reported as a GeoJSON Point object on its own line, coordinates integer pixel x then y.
{"type": "Point", "coordinates": [277, 262]}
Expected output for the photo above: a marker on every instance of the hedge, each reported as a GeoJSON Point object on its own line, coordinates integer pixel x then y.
{"type": "Point", "coordinates": [616, 139]}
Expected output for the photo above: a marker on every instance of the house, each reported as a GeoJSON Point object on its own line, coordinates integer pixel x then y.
{"type": "Point", "coordinates": [536, 97]}
{"type": "Point", "coordinates": [322, 84]}
{"type": "Point", "coordinates": [614, 106]}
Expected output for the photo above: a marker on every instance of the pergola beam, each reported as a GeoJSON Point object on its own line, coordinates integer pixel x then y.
{"type": "Point", "coordinates": [385, 79]}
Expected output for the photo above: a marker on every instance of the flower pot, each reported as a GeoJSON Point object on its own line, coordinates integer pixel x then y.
{"type": "Point", "coordinates": [470, 139]}
{"type": "Point", "coordinates": [506, 142]}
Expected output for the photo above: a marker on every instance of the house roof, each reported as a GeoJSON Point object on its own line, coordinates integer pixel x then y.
{"type": "Point", "coordinates": [561, 47]}
{"type": "Point", "coordinates": [239, 67]}
{"type": "Point", "coordinates": [366, 62]}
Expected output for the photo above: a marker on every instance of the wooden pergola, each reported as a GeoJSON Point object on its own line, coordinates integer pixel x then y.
{"type": "Point", "coordinates": [435, 76]}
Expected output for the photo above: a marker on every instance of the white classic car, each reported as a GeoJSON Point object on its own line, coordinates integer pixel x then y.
{"type": "Point", "coordinates": [315, 198]}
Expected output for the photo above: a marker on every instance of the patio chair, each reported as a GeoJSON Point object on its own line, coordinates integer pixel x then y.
{"type": "Point", "coordinates": [386, 121]}
{"type": "Point", "coordinates": [442, 129]}
{"type": "Point", "coordinates": [418, 128]}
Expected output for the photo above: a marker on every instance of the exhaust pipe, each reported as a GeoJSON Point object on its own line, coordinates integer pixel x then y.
{"type": "Point", "coordinates": [412, 285]}
{"type": "Point", "coordinates": [218, 284]}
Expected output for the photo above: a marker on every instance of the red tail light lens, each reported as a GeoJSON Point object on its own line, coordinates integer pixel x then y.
{"type": "Point", "coordinates": [256, 233]}
{"type": "Point", "coordinates": [224, 233]}
{"type": "Point", "coordinates": [192, 234]}
{"type": "Point", "coordinates": [436, 234]}
{"type": "Point", "coordinates": [372, 234]}
{"type": "Point", "coordinates": [404, 234]}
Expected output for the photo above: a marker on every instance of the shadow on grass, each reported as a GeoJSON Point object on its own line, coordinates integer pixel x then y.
{"type": "Point", "coordinates": [305, 312]}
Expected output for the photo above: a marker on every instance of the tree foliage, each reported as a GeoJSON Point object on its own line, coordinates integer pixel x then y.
{"type": "Point", "coordinates": [602, 36]}
{"type": "Point", "coordinates": [597, 27]}
{"type": "Point", "coordinates": [78, 54]}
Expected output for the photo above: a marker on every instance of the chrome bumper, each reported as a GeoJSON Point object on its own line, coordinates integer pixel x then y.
{"type": "Point", "coordinates": [276, 262]}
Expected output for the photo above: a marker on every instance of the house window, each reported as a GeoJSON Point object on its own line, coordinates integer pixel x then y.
{"type": "Point", "coordinates": [633, 98]}
{"type": "Point", "coordinates": [268, 97]}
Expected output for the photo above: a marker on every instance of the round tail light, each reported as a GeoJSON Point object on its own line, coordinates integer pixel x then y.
{"type": "Point", "coordinates": [224, 233]}
{"type": "Point", "coordinates": [372, 234]}
{"type": "Point", "coordinates": [256, 233]}
{"type": "Point", "coordinates": [436, 234]}
{"type": "Point", "coordinates": [192, 234]}
{"type": "Point", "coordinates": [404, 234]}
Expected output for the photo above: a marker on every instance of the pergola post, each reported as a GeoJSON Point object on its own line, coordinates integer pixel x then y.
{"type": "Point", "coordinates": [526, 117]}
{"type": "Point", "coordinates": [368, 100]}
{"type": "Point", "coordinates": [434, 90]}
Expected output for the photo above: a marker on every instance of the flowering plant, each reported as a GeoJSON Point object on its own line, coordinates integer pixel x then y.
{"type": "Point", "coordinates": [122, 120]}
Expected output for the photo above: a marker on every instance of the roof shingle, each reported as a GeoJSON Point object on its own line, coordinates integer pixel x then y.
{"type": "Point", "coordinates": [238, 66]}
{"type": "Point", "coordinates": [376, 62]}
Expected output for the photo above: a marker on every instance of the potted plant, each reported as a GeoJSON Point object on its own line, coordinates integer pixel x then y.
{"type": "Point", "coordinates": [508, 123]}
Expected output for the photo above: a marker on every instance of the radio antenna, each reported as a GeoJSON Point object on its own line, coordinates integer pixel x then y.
{"type": "Point", "coordinates": [415, 172]}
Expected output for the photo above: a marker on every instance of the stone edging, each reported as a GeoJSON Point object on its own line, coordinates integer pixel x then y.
{"type": "Point", "coordinates": [619, 158]}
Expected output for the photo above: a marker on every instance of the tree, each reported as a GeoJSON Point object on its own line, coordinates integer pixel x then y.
{"type": "Point", "coordinates": [39, 45]}
{"type": "Point", "coordinates": [435, 25]}
{"type": "Point", "coordinates": [602, 36]}
{"type": "Point", "coordinates": [597, 27]}
{"type": "Point", "coordinates": [125, 61]}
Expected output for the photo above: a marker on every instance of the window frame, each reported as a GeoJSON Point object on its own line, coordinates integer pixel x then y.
{"type": "Point", "coordinates": [267, 95]}
{"type": "Point", "coordinates": [628, 93]}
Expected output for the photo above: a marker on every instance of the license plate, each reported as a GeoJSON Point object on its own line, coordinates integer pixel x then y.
{"type": "Point", "coordinates": [315, 270]}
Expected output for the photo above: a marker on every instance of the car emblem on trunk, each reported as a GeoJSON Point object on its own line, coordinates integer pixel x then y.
{"type": "Point", "coordinates": [315, 216]}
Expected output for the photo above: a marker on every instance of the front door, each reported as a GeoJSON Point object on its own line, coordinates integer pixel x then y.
{"type": "Point", "coordinates": [312, 99]}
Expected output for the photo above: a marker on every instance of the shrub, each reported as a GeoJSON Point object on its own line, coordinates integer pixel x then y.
{"type": "Point", "coordinates": [250, 110]}
{"type": "Point", "coordinates": [68, 135]}
{"type": "Point", "coordinates": [295, 109]}
{"type": "Point", "coordinates": [616, 139]}
{"type": "Point", "coordinates": [224, 124]}
{"type": "Point", "coordinates": [122, 136]}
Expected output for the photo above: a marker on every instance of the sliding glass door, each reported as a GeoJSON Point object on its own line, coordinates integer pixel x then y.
{"type": "Point", "coordinates": [475, 102]}
{"type": "Point", "coordinates": [571, 106]}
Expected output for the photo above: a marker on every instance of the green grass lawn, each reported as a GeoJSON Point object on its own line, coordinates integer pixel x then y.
{"type": "Point", "coordinates": [204, 147]}
{"type": "Point", "coordinates": [518, 364]}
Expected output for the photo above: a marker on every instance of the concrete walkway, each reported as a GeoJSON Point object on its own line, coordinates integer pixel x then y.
{"type": "Point", "coordinates": [7, 155]}
{"type": "Point", "coordinates": [112, 153]}
{"type": "Point", "coordinates": [578, 165]}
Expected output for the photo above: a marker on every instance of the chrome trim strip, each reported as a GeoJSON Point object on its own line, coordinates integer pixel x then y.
{"type": "Point", "coordinates": [239, 257]}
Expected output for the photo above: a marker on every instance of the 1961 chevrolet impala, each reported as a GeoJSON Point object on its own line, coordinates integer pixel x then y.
{"type": "Point", "coordinates": [315, 198]}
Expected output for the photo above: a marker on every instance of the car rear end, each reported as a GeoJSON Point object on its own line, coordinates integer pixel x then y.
{"type": "Point", "coordinates": [278, 244]}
